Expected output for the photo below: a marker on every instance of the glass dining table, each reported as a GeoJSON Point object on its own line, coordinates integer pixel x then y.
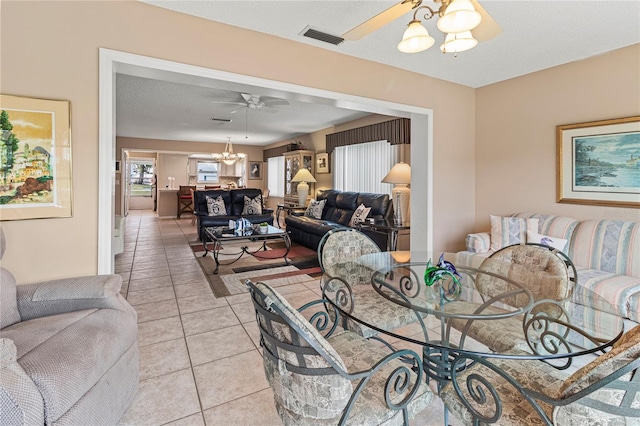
{"type": "Point", "coordinates": [485, 311]}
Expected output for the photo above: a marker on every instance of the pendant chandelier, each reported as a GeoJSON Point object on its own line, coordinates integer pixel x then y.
{"type": "Point", "coordinates": [228, 157]}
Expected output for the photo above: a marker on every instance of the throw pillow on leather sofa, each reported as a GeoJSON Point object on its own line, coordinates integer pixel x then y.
{"type": "Point", "coordinates": [234, 205]}
{"type": "Point", "coordinates": [337, 212]}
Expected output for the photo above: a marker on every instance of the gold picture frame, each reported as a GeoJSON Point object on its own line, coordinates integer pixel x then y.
{"type": "Point", "coordinates": [35, 158]}
{"type": "Point", "coordinates": [598, 163]}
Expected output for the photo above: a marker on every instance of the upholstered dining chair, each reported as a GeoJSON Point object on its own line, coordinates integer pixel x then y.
{"type": "Point", "coordinates": [332, 378]}
{"type": "Point", "coordinates": [185, 199]}
{"type": "Point", "coordinates": [547, 273]}
{"type": "Point", "coordinates": [341, 245]}
{"type": "Point", "coordinates": [606, 391]}
{"type": "Point", "coordinates": [336, 252]}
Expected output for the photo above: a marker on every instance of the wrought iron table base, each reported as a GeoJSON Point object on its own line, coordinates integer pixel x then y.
{"type": "Point", "coordinates": [217, 246]}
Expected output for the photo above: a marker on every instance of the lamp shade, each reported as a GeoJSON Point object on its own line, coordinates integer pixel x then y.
{"type": "Point", "coordinates": [458, 42]}
{"type": "Point", "coordinates": [459, 16]}
{"type": "Point", "coordinates": [303, 175]}
{"type": "Point", "coordinates": [399, 174]}
{"type": "Point", "coordinates": [416, 38]}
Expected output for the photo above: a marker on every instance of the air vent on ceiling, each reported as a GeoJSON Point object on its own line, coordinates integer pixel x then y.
{"type": "Point", "coordinates": [322, 36]}
{"type": "Point", "coordinates": [221, 120]}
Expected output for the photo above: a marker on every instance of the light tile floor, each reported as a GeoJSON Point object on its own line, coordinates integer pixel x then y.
{"type": "Point", "coordinates": [200, 360]}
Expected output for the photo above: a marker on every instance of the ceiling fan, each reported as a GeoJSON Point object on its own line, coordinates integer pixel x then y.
{"type": "Point", "coordinates": [246, 100]}
{"type": "Point", "coordinates": [464, 21]}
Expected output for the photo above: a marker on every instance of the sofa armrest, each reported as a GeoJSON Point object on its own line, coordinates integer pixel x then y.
{"type": "Point", "coordinates": [71, 294]}
{"type": "Point", "coordinates": [478, 243]}
{"type": "Point", "coordinates": [20, 399]}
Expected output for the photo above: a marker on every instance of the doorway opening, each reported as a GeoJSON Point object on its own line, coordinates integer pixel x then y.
{"type": "Point", "coordinates": [113, 62]}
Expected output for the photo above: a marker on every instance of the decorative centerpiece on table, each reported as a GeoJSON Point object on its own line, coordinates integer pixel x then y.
{"type": "Point", "coordinates": [243, 227]}
{"type": "Point", "coordinates": [264, 227]}
{"type": "Point", "coordinates": [445, 276]}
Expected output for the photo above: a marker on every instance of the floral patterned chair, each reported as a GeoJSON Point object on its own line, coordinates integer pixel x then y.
{"type": "Point", "coordinates": [547, 273]}
{"type": "Point", "coordinates": [520, 392]}
{"type": "Point", "coordinates": [336, 251]}
{"type": "Point", "coordinates": [333, 379]}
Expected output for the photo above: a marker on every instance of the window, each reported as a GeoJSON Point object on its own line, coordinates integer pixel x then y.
{"type": "Point", "coordinates": [362, 167]}
{"type": "Point", "coordinates": [207, 172]}
{"type": "Point", "coordinates": [275, 176]}
{"type": "Point", "coordinates": [141, 178]}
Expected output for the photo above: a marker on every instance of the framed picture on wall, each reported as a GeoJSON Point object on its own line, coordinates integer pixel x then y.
{"type": "Point", "coordinates": [323, 163]}
{"type": "Point", "coordinates": [35, 157]}
{"type": "Point", "coordinates": [255, 170]}
{"type": "Point", "coordinates": [599, 162]}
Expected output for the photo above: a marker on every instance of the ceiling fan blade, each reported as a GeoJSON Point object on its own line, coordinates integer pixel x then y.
{"type": "Point", "coordinates": [238, 109]}
{"type": "Point", "coordinates": [249, 97]}
{"type": "Point", "coordinates": [228, 102]}
{"type": "Point", "coordinates": [488, 28]}
{"type": "Point", "coordinates": [378, 21]}
{"type": "Point", "coordinates": [270, 101]}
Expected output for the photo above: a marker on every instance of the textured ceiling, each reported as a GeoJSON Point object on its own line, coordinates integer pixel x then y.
{"type": "Point", "coordinates": [536, 35]}
{"type": "Point", "coordinates": [155, 109]}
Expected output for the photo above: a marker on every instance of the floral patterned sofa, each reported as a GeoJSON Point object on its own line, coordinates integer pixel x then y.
{"type": "Point", "coordinates": [606, 254]}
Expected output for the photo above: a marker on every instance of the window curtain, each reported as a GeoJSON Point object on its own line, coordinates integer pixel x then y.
{"type": "Point", "coordinates": [275, 176]}
{"type": "Point", "coordinates": [397, 131]}
{"type": "Point", "coordinates": [362, 167]}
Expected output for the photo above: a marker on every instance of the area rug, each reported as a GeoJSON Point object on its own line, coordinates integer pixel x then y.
{"type": "Point", "coordinates": [269, 267]}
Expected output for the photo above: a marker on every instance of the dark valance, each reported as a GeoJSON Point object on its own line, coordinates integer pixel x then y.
{"type": "Point", "coordinates": [397, 131]}
{"type": "Point", "coordinates": [274, 152]}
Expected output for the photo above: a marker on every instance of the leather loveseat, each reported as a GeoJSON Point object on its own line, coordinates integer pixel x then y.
{"type": "Point", "coordinates": [234, 204]}
{"type": "Point", "coordinates": [337, 213]}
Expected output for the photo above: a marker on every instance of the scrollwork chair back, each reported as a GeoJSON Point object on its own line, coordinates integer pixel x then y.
{"type": "Point", "coordinates": [323, 381]}
{"type": "Point", "coordinates": [521, 392]}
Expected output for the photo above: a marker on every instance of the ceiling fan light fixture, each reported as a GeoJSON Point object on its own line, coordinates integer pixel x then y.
{"type": "Point", "coordinates": [459, 16]}
{"type": "Point", "coordinates": [416, 38]}
{"type": "Point", "coordinates": [458, 42]}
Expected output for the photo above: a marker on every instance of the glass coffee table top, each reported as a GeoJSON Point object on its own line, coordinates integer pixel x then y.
{"type": "Point", "coordinates": [217, 236]}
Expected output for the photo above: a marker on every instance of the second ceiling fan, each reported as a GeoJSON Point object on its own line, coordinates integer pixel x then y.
{"type": "Point", "coordinates": [247, 100]}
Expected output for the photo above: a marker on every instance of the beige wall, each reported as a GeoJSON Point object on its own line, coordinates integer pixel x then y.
{"type": "Point", "coordinates": [50, 50]}
{"type": "Point", "coordinates": [516, 125]}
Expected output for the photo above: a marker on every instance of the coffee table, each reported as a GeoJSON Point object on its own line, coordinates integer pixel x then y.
{"type": "Point", "coordinates": [221, 235]}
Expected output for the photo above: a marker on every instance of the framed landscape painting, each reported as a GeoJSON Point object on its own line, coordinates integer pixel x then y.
{"type": "Point", "coordinates": [599, 162]}
{"type": "Point", "coordinates": [35, 158]}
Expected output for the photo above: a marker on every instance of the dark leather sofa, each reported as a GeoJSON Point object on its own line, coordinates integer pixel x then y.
{"type": "Point", "coordinates": [233, 202]}
{"type": "Point", "coordinates": [337, 213]}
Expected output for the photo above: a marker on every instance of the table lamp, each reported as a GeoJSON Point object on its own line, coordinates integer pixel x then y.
{"type": "Point", "coordinates": [303, 176]}
{"type": "Point", "coordinates": [400, 176]}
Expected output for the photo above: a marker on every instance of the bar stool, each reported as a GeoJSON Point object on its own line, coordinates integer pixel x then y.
{"type": "Point", "coordinates": [185, 200]}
